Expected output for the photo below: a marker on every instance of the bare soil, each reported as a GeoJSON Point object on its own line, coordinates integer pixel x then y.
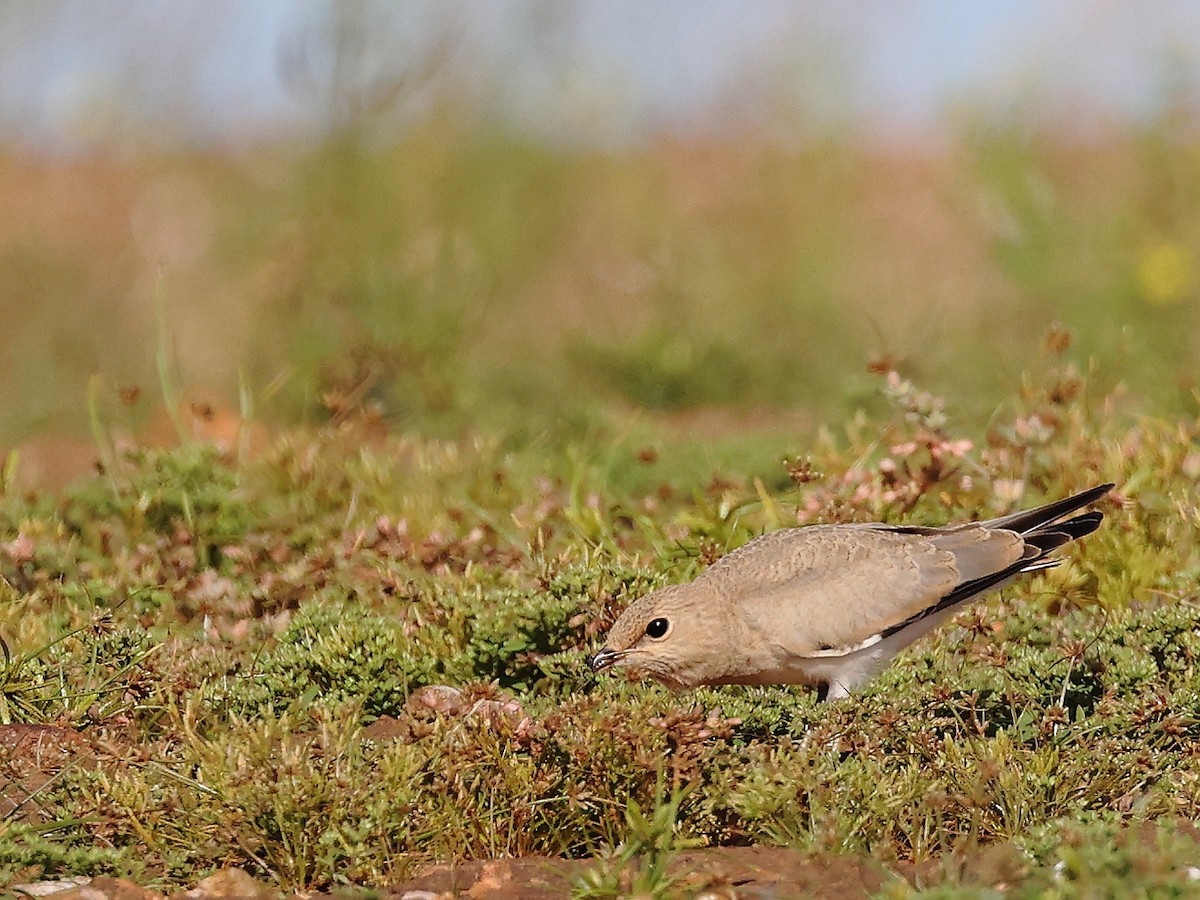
{"type": "Point", "coordinates": [743, 872]}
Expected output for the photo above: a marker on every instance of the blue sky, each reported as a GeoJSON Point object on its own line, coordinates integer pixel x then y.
{"type": "Point", "coordinates": [79, 70]}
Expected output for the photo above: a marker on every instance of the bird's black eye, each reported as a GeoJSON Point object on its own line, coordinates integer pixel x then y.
{"type": "Point", "coordinates": [658, 628]}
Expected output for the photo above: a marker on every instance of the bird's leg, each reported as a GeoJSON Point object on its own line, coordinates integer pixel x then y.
{"type": "Point", "coordinates": [831, 690]}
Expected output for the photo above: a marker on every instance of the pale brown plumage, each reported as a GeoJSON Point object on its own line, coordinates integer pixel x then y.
{"type": "Point", "coordinates": [830, 605]}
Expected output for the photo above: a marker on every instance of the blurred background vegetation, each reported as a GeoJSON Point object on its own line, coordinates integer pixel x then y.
{"type": "Point", "coordinates": [458, 226]}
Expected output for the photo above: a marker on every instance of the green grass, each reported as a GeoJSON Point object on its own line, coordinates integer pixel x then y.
{"type": "Point", "coordinates": [230, 636]}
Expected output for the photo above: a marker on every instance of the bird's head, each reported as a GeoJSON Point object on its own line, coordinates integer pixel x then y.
{"type": "Point", "coordinates": [671, 635]}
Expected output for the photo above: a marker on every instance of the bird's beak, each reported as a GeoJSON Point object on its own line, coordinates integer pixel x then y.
{"type": "Point", "coordinates": [605, 659]}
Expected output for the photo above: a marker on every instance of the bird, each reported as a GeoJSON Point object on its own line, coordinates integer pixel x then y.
{"type": "Point", "coordinates": [829, 606]}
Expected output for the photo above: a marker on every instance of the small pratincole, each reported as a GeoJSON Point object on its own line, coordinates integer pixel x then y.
{"type": "Point", "coordinates": [830, 605]}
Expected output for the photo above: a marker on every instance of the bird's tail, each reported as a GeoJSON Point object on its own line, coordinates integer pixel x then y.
{"type": "Point", "coordinates": [1029, 522]}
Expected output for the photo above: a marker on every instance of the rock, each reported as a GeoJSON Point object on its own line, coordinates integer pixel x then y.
{"type": "Point", "coordinates": [122, 889]}
{"type": "Point", "coordinates": [49, 888]}
{"type": "Point", "coordinates": [82, 888]}
{"type": "Point", "coordinates": [87, 892]}
{"type": "Point", "coordinates": [441, 698]}
{"type": "Point", "coordinates": [227, 884]}
{"type": "Point", "coordinates": [492, 878]}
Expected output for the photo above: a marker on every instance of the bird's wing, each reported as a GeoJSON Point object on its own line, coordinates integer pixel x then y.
{"type": "Point", "coordinates": [828, 588]}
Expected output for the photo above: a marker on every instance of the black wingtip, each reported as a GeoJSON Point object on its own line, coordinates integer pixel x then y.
{"type": "Point", "coordinates": [1094, 494]}
{"type": "Point", "coordinates": [1056, 534]}
{"type": "Point", "coordinates": [1083, 498]}
{"type": "Point", "coordinates": [1030, 520]}
{"type": "Point", "coordinates": [1079, 526]}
